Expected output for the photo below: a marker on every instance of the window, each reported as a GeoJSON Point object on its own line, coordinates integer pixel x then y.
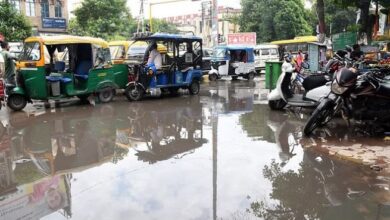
{"type": "Point", "coordinates": [16, 4]}
{"type": "Point", "coordinates": [264, 52]}
{"type": "Point", "coordinates": [45, 9]}
{"type": "Point", "coordinates": [58, 9]}
{"type": "Point", "coordinates": [274, 51]}
{"type": "Point", "coordinates": [31, 52]}
{"type": "Point", "coordinates": [117, 52]}
{"type": "Point", "coordinates": [30, 7]}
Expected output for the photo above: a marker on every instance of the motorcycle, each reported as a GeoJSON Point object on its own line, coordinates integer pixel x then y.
{"type": "Point", "coordinates": [362, 97]}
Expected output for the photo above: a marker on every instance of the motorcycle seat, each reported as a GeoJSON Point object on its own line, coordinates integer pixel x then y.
{"type": "Point", "coordinates": [384, 89]}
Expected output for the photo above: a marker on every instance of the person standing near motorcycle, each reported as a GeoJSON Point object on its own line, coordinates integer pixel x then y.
{"type": "Point", "coordinates": [357, 54]}
{"type": "Point", "coordinates": [288, 69]}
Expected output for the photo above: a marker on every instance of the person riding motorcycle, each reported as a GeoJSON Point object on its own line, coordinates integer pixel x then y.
{"type": "Point", "coordinates": [288, 68]}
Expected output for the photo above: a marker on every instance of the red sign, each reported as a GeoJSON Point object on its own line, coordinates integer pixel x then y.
{"type": "Point", "coordinates": [242, 38]}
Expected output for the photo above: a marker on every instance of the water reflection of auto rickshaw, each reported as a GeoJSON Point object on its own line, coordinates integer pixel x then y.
{"type": "Point", "coordinates": [171, 131]}
{"type": "Point", "coordinates": [180, 67]}
{"type": "Point", "coordinates": [232, 61]}
{"type": "Point", "coordinates": [55, 67]}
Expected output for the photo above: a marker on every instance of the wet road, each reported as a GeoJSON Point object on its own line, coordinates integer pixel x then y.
{"type": "Point", "coordinates": [219, 155]}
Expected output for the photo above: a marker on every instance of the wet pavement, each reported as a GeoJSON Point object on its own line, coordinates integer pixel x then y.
{"type": "Point", "coordinates": [220, 155]}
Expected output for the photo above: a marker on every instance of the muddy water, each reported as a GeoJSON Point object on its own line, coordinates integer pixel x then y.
{"type": "Point", "coordinates": [219, 155]}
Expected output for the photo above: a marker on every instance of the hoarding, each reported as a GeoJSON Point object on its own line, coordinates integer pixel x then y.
{"type": "Point", "coordinates": [242, 38]}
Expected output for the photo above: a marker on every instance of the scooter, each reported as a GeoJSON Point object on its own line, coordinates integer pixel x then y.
{"type": "Point", "coordinates": [277, 100]}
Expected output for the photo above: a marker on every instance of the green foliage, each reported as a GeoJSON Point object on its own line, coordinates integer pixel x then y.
{"type": "Point", "coordinates": [107, 19]}
{"type": "Point", "coordinates": [13, 25]}
{"type": "Point", "coordinates": [275, 19]}
{"type": "Point", "coordinates": [160, 25]}
{"type": "Point", "coordinates": [338, 18]}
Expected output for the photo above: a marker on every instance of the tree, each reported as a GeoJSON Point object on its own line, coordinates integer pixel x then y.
{"type": "Point", "coordinates": [275, 19]}
{"type": "Point", "coordinates": [108, 19]}
{"type": "Point", "coordinates": [160, 25]}
{"type": "Point", "coordinates": [13, 25]}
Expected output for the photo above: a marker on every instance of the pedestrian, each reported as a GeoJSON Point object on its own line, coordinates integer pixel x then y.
{"type": "Point", "coordinates": [357, 54]}
{"type": "Point", "coordinates": [2, 64]}
{"type": "Point", "coordinates": [9, 61]}
{"type": "Point", "coordinates": [299, 59]}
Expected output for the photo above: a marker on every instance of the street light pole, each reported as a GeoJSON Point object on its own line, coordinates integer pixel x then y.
{"type": "Point", "coordinates": [215, 29]}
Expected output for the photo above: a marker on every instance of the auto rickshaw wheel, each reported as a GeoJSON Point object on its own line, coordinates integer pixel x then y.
{"type": "Point", "coordinates": [213, 77]}
{"type": "Point", "coordinates": [250, 76]}
{"type": "Point", "coordinates": [106, 95]}
{"type": "Point", "coordinates": [194, 87]}
{"type": "Point", "coordinates": [16, 102]}
{"type": "Point", "coordinates": [134, 93]}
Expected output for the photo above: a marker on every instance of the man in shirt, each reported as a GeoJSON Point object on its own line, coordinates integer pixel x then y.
{"type": "Point", "coordinates": [357, 54]}
{"type": "Point", "coordinates": [155, 57]}
{"type": "Point", "coordinates": [9, 61]}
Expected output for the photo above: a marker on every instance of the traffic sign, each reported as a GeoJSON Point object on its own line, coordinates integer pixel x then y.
{"type": "Point", "coordinates": [242, 38]}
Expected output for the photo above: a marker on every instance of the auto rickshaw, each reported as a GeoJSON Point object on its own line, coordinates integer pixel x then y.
{"type": "Point", "coordinates": [232, 61]}
{"type": "Point", "coordinates": [181, 67]}
{"type": "Point", "coordinates": [57, 67]}
{"type": "Point", "coordinates": [118, 50]}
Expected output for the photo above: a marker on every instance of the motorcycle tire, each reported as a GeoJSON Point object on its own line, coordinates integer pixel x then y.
{"type": "Point", "coordinates": [320, 117]}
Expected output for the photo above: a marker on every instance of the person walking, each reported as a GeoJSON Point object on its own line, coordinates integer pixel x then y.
{"type": "Point", "coordinates": [9, 63]}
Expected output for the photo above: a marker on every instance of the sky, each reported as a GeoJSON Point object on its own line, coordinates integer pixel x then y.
{"type": "Point", "coordinates": [170, 9]}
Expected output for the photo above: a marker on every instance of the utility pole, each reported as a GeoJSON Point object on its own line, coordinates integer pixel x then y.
{"type": "Point", "coordinates": [215, 29]}
{"type": "Point", "coordinates": [141, 18]}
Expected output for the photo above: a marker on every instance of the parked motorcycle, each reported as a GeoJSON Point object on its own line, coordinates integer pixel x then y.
{"type": "Point", "coordinates": [364, 97]}
{"type": "Point", "coordinates": [316, 86]}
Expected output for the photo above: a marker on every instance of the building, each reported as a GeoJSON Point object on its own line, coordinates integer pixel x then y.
{"type": "Point", "coordinates": [48, 17]}
{"type": "Point", "coordinates": [200, 23]}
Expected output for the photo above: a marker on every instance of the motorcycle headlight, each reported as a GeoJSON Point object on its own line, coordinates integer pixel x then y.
{"type": "Point", "coordinates": [336, 89]}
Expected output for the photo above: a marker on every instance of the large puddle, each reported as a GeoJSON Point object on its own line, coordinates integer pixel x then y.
{"type": "Point", "coordinates": [220, 155]}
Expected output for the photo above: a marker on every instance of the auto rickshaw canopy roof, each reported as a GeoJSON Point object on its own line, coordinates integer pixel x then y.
{"type": "Point", "coordinates": [67, 39]}
{"type": "Point", "coordinates": [165, 37]}
{"type": "Point", "coordinates": [235, 47]}
{"type": "Point", "coordinates": [303, 39]}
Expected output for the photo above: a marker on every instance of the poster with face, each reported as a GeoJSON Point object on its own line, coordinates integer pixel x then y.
{"type": "Point", "coordinates": [35, 200]}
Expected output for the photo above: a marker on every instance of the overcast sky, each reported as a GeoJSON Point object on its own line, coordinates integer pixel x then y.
{"type": "Point", "coordinates": [170, 9]}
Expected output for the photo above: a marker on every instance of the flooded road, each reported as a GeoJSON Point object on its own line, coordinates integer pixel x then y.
{"type": "Point", "coordinates": [220, 155]}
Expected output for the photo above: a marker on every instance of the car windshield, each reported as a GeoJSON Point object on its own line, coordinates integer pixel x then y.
{"type": "Point", "coordinates": [219, 53]}
{"type": "Point", "coordinates": [117, 52]}
{"type": "Point", "coordinates": [31, 52]}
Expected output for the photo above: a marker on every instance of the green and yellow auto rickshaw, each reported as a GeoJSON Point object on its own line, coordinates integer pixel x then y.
{"type": "Point", "coordinates": [118, 50]}
{"type": "Point", "coordinates": [57, 67]}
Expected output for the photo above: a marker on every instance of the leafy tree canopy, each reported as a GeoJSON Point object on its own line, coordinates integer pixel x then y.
{"type": "Point", "coordinates": [108, 19]}
{"type": "Point", "coordinates": [13, 25]}
{"type": "Point", "coordinates": [275, 19]}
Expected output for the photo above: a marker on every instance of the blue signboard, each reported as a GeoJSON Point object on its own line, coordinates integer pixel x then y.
{"type": "Point", "coordinates": [59, 23]}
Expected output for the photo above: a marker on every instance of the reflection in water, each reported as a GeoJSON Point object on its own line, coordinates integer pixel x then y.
{"type": "Point", "coordinates": [321, 189]}
{"type": "Point", "coordinates": [205, 152]}
{"type": "Point", "coordinates": [39, 154]}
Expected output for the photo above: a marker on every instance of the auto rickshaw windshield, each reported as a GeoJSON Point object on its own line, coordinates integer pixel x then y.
{"type": "Point", "coordinates": [31, 52]}
{"type": "Point", "coordinates": [117, 52]}
{"type": "Point", "coordinates": [220, 53]}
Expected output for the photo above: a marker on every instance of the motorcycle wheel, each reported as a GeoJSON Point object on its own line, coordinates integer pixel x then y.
{"type": "Point", "coordinates": [277, 104]}
{"type": "Point", "coordinates": [134, 93]}
{"type": "Point", "coordinates": [320, 117]}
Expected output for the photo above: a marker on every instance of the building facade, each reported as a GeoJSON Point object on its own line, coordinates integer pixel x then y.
{"type": "Point", "coordinates": [48, 17]}
{"type": "Point", "coordinates": [200, 23]}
